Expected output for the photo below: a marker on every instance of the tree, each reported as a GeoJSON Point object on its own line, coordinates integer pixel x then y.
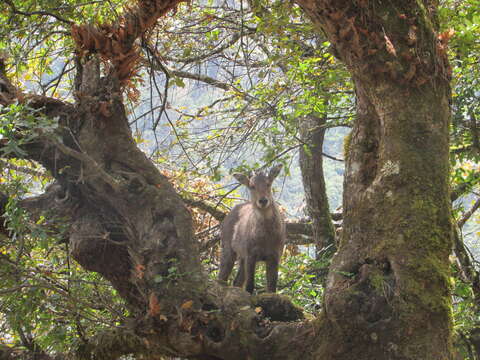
{"type": "Point", "coordinates": [293, 73]}
{"type": "Point", "coordinates": [396, 180]}
{"type": "Point", "coordinates": [388, 287]}
{"type": "Point", "coordinates": [311, 163]}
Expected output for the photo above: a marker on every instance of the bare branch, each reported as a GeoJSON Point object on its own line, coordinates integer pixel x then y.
{"type": "Point", "coordinates": [468, 214]}
{"type": "Point", "coordinates": [468, 268]}
{"type": "Point", "coordinates": [205, 206]}
{"type": "Point", "coordinates": [203, 78]}
{"type": "Point", "coordinates": [209, 55]}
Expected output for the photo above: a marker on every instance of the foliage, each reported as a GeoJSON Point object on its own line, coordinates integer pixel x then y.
{"type": "Point", "coordinates": [466, 317]}
{"type": "Point", "coordinates": [272, 73]}
{"type": "Point", "coordinates": [47, 299]}
{"type": "Point", "coordinates": [465, 146]}
{"type": "Point", "coordinates": [20, 124]}
{"type": "Point", "coordinates": [299, 280]}
{"type": "Point", "coordinates": [42, 49]}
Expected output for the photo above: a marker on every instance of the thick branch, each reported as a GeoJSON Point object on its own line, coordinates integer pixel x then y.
{"type": "Point", "coordinates": [213, 210]}
{"type": "Point", "coordinates": [396, 181]}
{"type": "Point", "coordinates": [312, 133]}
{"type": "Point", "coordinates": [475, 131]}
{"type": "Point", "coordinates": [111, 345]}
{"type": "Point", "coordinates": [7, 91]}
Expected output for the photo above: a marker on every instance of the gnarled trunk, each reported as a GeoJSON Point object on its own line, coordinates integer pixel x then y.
{"type": "Point", "coordinates": [388, 288]}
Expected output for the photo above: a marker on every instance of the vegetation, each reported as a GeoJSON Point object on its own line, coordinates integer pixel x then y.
{"type": "Point", "coordinates": [116, 117]}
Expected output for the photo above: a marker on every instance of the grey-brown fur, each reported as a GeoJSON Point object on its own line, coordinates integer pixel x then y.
{"type": "Point", "coordinates": [252, 232]}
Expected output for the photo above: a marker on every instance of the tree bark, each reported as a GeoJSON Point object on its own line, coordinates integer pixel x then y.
{"type": "Point", "coordinates": [312, 133]}
{"type": "Point", "coordinates": [388, 286]}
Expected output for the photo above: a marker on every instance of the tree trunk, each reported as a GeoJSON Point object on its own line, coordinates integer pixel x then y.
{"type": "Point", "coordinates": [312, 133]}
{"type": "Point", "coordinates": [388, 289]}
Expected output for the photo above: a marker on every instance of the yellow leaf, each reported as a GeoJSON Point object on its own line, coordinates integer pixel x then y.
{"type": "Point", "coordinates": [187, 304]}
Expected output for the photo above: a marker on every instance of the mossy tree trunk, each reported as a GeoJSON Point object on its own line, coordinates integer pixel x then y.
{"type": "Point", "coordinates": [388, 289]}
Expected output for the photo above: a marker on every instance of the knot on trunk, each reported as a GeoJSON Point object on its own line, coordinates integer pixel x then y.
{"type": "Point", "coordinates": [92, 246]}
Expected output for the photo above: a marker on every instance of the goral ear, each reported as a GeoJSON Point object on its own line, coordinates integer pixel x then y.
{"type": "Point", "coordinates": [242, 179]}
{"type": "Point", "coordinates": [274, 172]}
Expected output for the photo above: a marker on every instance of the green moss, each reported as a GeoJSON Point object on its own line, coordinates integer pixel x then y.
{"type": "Point", "coordinates": [427, 286]}
{"type": "Point", "coordinates": [424, 18]}
{"type": "Point", "coordinates": [377, 281]}
{"type": "Point", "coordinates": [346, 145]}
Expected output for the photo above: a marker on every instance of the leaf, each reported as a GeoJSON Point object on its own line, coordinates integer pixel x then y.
{"type": "Point", "coordinates": [187, 305]}
{"type": "Point", "coordinates": [139, 271]}
{"type": "Point", "coordinates": [153, 305]}
{"type": "Point", "coordinates": [178, 82]}
{"type": "Point", "coordinates": [445, 36]}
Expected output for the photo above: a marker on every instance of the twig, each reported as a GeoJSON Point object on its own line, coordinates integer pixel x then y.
{"type": "Point", "coordinates": [37, 12]}
{"type": "Point", "coordinates": [160, 65]}
{"type": "Point", "coordinates": [218, 50]}
{"type": "Point", "coordinates": [22, 169]}
{"type": "Point", "coordinates": [468, 214]}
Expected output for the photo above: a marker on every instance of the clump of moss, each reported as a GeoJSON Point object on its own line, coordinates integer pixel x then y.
{"type": "Point", "coordinates": [346, 144]}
